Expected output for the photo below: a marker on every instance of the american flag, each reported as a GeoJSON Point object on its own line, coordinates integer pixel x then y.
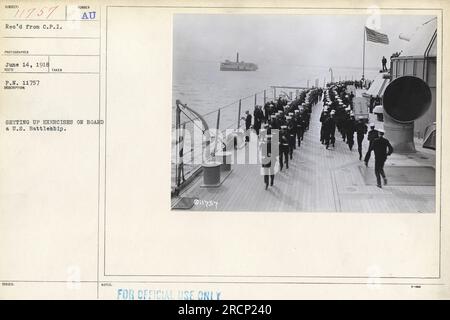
{"type": "Point", "coordinates": [376, 36]}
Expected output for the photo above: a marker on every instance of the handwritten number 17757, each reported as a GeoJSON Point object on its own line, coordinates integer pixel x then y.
{"type": "Point", "coordinates": [45, 12]}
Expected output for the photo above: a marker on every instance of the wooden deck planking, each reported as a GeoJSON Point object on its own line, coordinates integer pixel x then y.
{"type": "Point", "coordinates": [318, 180]}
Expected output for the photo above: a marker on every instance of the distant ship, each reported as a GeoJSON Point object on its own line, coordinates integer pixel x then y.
{"type": "Point", "coordinates": [238, 65]}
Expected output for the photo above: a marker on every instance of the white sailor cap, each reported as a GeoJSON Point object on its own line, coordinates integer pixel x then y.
{"type": "Point", "coordinates": [348, 109]}
{"type": "Point", "coordinates": [288, 118]}
{"type": "Point", "coordinates": [273, 116]}
{"type": "Point", "coordinates": [380, 130]}
{"type": "Point", "coordinates": [283, 127]}
{"type": "Point", "coordinates": [333, 112]}
{"type": "Point", "coordinates": [296, 111]}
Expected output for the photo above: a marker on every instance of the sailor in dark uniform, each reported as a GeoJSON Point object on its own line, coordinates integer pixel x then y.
{"type": "Point", "coordinates": [371, 136]}
{"type": "Point", "coordinates": [292, 128]}
{"type": "Point", "coordinates": [284, 148]}
{"type": "Point", "coordinates": [329, 130]}
{"type": "Point", "coordinates": [382, 149]}
{"type": "Point", "coordinates": [304, 120]}
{"type": "Point", "coordinates": [267, 111]}
{"type": "Point", "coordinates": [258, 119]}
{"type": "Point", "coordinates": [350, 131]}
{"type": "Point", "coordinates": [281, 118]}
{"type": "Point", "coordinates": [280, 104]}
{"type": "Point", "coordinates": [323, 118]}
{"type": "Point", "coordinates": [274, 124]}
{"type": "Point", "coordinates": [291, 137]}
{"type": "Point", "coordinates": [298, 127]}
{"type": "Point", "coordinates": [340, 117]}
{"type": "Point", "coordinates": [307, 114]}
{"type": "Point", "coordinates": [361, 130]}
{"type": "Point", "coordinates": [248, 125]}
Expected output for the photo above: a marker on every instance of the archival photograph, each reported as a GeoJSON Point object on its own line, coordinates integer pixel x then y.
{"type": "Point", "coordinates": [304, 113]}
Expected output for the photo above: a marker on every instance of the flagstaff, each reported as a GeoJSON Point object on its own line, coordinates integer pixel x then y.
{"type": "Point", "coordinates": [364, 51]}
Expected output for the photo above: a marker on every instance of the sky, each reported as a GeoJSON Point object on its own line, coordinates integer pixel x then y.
{"type": "Point", "coordinates": [304, 40]}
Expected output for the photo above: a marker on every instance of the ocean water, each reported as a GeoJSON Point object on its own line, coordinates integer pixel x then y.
{"type": "Point", "coordinates": [203, 87]}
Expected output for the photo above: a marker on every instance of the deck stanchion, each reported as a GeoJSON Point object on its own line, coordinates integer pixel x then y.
{"type": "Point", "coordinates": [218, 119]}
{"type": "Point", "coordinates": [177, 126]}
{"type": "Point", "coordinates": [265, 98]}
{"type": "Point", "coordinates": [217, 130]}
{"type": "Point", "coordinates": [255, 99]}
{"type": "Point", "coordinates": [239, 115]}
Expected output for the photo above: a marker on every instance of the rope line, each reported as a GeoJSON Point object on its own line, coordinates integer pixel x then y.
{"type": "Point", "coordinates": [223, 107]}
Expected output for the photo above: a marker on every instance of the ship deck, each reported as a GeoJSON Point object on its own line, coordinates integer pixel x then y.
{"type": "Point", "coordinates": [320, 180]}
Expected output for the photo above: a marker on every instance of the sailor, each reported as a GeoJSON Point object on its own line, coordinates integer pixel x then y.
{"type": "Point", "coordinates": [292, 127]}
{"type": "Point", "coordinates": [383, 63]}
{"type": "Point", "coordinates": [371, 136]}
{"type": "Point", "coordinates": [274, 122]}
{"type": "Point", "coordinates": [323, 118]}
{"type": "Point", "coordinates": [279, 104]}
{"type": "Point", "coordinates": [291, 136]}
{"type": "Point", "coordinates": [324, 113]}
{"type": "Point", "coordinates": [350, 131]}
{"type": "Point", "coordinates": [248, 125]}
{"type": "Point", "coordinates": [258, 119]}
{"type": "Point", "coordinates": [284, 148]}
{"type": "Point", "coordinates": [382, 149]}
{"type": "Point", "coordinates": [281, 119]}
{"type": "Point", "coordinates": [267, 111]}
{"type": "Point", "coordinates": [298, 127]}
{"type": "Point", "coordinates": [361, 130]}
{"type": "Point", "coordinates": [329, 130]}
{"type": "Point", "coordinates": [268, 163]}
{"type": "Point", "coordinates": [307, 114]}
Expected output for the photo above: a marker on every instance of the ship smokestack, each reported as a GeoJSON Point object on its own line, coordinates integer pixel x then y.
{"type": "Point", "coordinates": [237, 57]}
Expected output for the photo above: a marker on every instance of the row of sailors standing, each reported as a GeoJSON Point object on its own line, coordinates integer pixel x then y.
{"type": "Point", "coordinates": [284, 129]}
